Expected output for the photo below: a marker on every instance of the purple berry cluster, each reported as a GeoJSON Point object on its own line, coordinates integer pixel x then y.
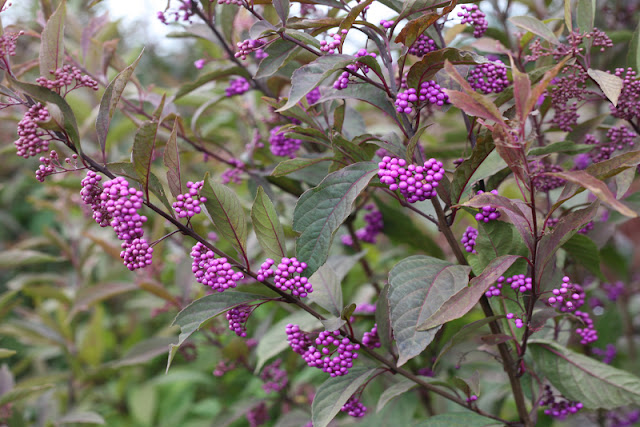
{"type": "Point", "coordinates": [65, 77]}
{"type": "Point", "coordinates": [569, 89]}
{"type": "Point", "coordinates": [365, 309]}
{"type": "Point", "coordinates": [559, 406]}
{"type": "Point", "coordinates": [386, 24]}
{"type": "Point", "coordinates": [374, 226]}
{"type": "Point", "coordinates": [8, 43]}
{"type": "Point", "coordinates": [489, 78]}
{"type": "Point", "coordinates": [286, 276]}
{"type": "Point", "coordinates": [188, 204]}
{"type": "Point", "coordinates": [540, 180]}
{"type": "Point", "coordinates": [473, 16]}
{"type": "Point", "coordinates": [430, 93]}
{"type": "Point", "coordinates": [628, 107]}
{"type": "Point", "coordinates": [618, 138]}
{"type": "Point", "coordinates": [238, 317]}
{"type": "Point", "coordinates": [371, 339]}
{"type": "Point", "coordinates": [258, 415]}
{"type": "Point", "coordinates": [136, 253]}
{"type": "Point", "coordinates": [90, 193]}
{"type": "Point", "coordinates": [299, 341]}
{"type": "Point", "coordinates": [343, 80]}
{"type": "Point", "coordinates": [334, 43]}
{"type": "Point", "coordinates": [469, 240]}
{"type": "Point", "coordinates": [621, 419]}
{"type": "Point", "coordinates": [607, 354]}
{"type": "Point", "coordinates": [587, 228]}
{"type": "Point", "coordinates": [237, 87]}
{"type": "Point", "coordinates": [275, 379]}
{"type": "Point", "coordinates": [587, 331]}
{"type": "Point", "coordinates": [568, 297]}
{"type": "Point", "coordinates": [233, 173]}
{"type": "Point", "coordinates": [614, 290]}
{"type": "Point", "coordinates": [496, 289]}
{"type": "Point", "coordinates": [517, 320]}
{"type": "Point", "coordinates": [50, 165]}
{"type": "Point", "coordinates": [329, 352]}
{"type": "Point", "coordinates": [354, 407]}
{"type": "Point", "coordinates": [248, 46]}
{"type": "Point", "coordinates": [183, 13]}
{"type": "Point", "coordinates": [31, 139]}
{"type": "Point", "coordinates": [314, 96]}
{"type": "Point", "coordinates": [214, 272]}
{"type": "Point", "coordinates": [283, 146]}
{"type": "Point", "coordinates": [416, 183]}
{"type": "Point", "coordinates": [422, 46]}
{"type": "Point", "coordinates": [487, 213]}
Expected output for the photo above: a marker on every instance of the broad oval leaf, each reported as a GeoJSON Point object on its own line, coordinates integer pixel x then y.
{"type": "Point", "coordinates": [292, 165]}
{"type": "Point", "coordinates": [419, 286]}
{"type": "Point", "coordinates": [267, 226]}
{"type": "Point", "coordinates": [171, 159]}
{"type": "Point", "coordinates": [144, 144]}
{"type": "Point", "coordinates": [327, 290]}
{"type": "Point", "coordinates": [334, 393]}
{"type": "Point", "coordinates": [394, 391]}
{"type": "Point", "coordinates": [321, 210]}
{"type": "Point", "coordinates": [52, 42]}
{"type": "Point", "coordinates": [280, 52]}
{"type": "Point", "coordinates": [535, 26]}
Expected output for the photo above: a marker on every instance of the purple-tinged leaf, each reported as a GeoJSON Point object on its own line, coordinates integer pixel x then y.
{"type": "Point", "coordinates": [364, 92]}
{"type": "Point", "coordinates": [433, 62]}
{"type": "Point", "coordinates": [521, 91]}
{"type": "Point", "coordinates": [541, 87]}
{"type": "Point", "coordinates": [52, 42]}
{"type": "Point", "coordinates": [419, 286]}
{"type": "Point", "coordinates": [535, 26]}
{"type": "Point", "coordinates": [393, 391]}
{"type": "Point", "coordinates": [414, 28]}
{"type": "Point", "coordinates": [583, 379]}
{"type": "Point", "coordinates": [89, 296]}
{"type": "Point", "coordinates": [495, 339]}
{"type": "Point", "coordinates": [171, 159]}
{"type": "Point", "coordinates": [327, 289]}
{"type": "Point", "coordinates": [217, 74]}
{"type": "Point", "coordinates": [610, 84]}
{"type": "Point", "coordinates": [462, 335]}
{"type": "Point", "coordinates": [280, 52]}
{"type": "Point", "coordinates": [383, 318]}
{"type": "Point", "coordinates": [282, 9]}
{"type": "Point", "coordinates": [464, 172]}
{"type": "Point", "coordinates": [511, 151]}
{"type": "Point", "coordinates": [95, 24]}
{"type": "Point", "coordinates": [305, 24]}
{"type": "Point", "coordinates": [333, 323]}
{"type": "Point", "coordinates": [292, 165]}
{"type": "Point", "coordinates": [462, 302]}
{"type": "Point", "coordinates": [351, 17]}
{"type": "Point", "coordinates": [144, 145]}
{"type": "Point", "coordinates": [225, 211]}
{"type": "Point", "coordinates": [267, 226]}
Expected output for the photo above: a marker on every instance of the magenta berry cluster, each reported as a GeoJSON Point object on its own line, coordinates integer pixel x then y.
{"type": "Point", "coordinates": [299, 341]}
{"type": "Point", "coordinates": [569, 89]}
{"type": "Point", "coordinates": [258, 415]}
{"type": "Point", "coordinates": [354, 407]}
{"type": "Point", "coordinates": [184, 13]}
{"type": "Point", "coordinates": [343, 80]}
{"type": "Point", "coordinates": [365, 308]}
{"type": "Point", "coordinates": [628, 106]}
{"type": "Point", "coordinates": [90, 193]}
{"type": "Point", "coordinates": [368, 234]}
{"type": "Point", "coordinates": [69, 78]}
{"type": "Point", "coordinates": [587, 228]}
{"type": "Point", "coordinates": [490, 77]}
{"type": "Point", "coordinates": [248, 46]}
{"type": "Point", "coordinates": [31, 139]}
{"type": "Point", "coordinates": [334, 43]}
{"type": "Point", "coordinates": [371, 339]}
{"type": "Point", "coordinates": [386, 24]}
{"type": "Point", "coordinates": [275, 379]}
{"type": "Point", "coordinates": [214, 272]}
{"type": "Point", "coordinates": [473, 16]}
{"type": "Point", "coordinates": [568, 297]}
{"type": "Point", "coordinates": [487, 213]}
{"type": "Point", "coordinates": [136, 253]}
{"type": "Point", "coordinates": [423, 45]}
{"type": "Point", "coordinates": [607, 354]}
{"type": "Point", "coordinates": [618, 138]}
{"type": "Point", "coordinates": [469, 240]}
{"type": "Point", "coordinates": [540, 180]}
{"type": "Point", "coordinates": [329, 352]}
{"type": "Point", "coordinates": [281, 145]}
{"type": "Point", "coordinates": [496, 289]}
{"type": "Point", "coordinates": [237, 87]}
{"type": "Point", "coordinates": [238, 317]}
{"type": "Point", "coordinates": [188, 204]}
{"type": "Point", "coordinates": [588, 331]}
{"type": "Point", "coordinates": [416, 183]}
{"type": "Point", "coordinates": [8, 43]}
{"type": "Point", "coordinates": [430, 93]}
{"type": "Point", "coordinates": [614, 290]}
{"type": "Point", "coordinates": [314, 96]}
{"type": "Point", "coordinates": [516, 320]}
{"type": "Point", "coordinates": [558, 406]}
{"type": "Point", "coordinates": [286, 276]}
{"type": "Point", "coordinates": [50, 165]}
{"type": "Point", "coordinates": [234, 172]}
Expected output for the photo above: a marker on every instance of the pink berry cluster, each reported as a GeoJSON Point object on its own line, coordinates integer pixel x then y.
{"type": "Point", "coordinates": [214, 272]}
{"type": "Point", "coordinates": [236, 2]}
{"type": "Point", "coordinates": [50, 165]}
{"type": "Point", "coordinates": [587, 228]}
{"type": "Point", "coordinates": [365, 309]}
{"type": "Point", "coordinates": [188, 204]}
{"type": "Point", "coordinates": [416, 183]}
{"type": "Point", "coordinates": [618, 138]}
{"type": "Point", "coordinates": [569, 89]}
{"type": "Point", "coordinates": [183, 13]}
{"type": "Point", "coordinates": [473, 16]}
{"type": "Point", "coordinates": [386, 24]}
{"type": "Point", "coordinates": [430, 93]}
{"type": "Point", "coordinates": [8, 43]}
{"type": "Point", "coordinates": [354, 407]}
{"type": "Point", "coordinates": [275, 379]}
{"type": "Point", "coordinates": [64, 77]}
{"type": "Point", "coordinates": [90, 193]}
{"type": "Point", "coordinates": [558, 406]}
{"type": "Point", "coordinates": [422, 46]}
{"type": "Point", "coordinates": [541, 181]}
{"type": "Point", "coordinates": [496, 289]}
{"type": "Point", "coordinates": [588, 331]}
{"type": "Point", "coordinates": [31, 139]}
{"type": "Point", "coordinates": [258, 415]}
{"type": "Point", "coordinates": [314, 96]}
{"type": "Point", "coordinates": [136, 253]}
{"type": "Point", "coordinates": [516, 320]}
{"type": "Point", "coordinates": [233, 173]}
{"type": "Point", "coordinates": [469, 240]}
{"type": "Point", "coordinates": [568, 297]}
{"type": "Point", "coordinates": [329, 352]}
{"type": "Point", "coordinates": [248, 46]}
{"type": "Point", "coordinates": [343, 80]}
{"type": "Point", "coordinates": [238, 317]}
{"type": "Point", "coordinates": [371, 339]}
{"type": "Point", "coordinates": [489, 78]}
{"type": "Point", "coordinates": [237, 87]}
{"type": "Point", "coordinates": [286, 276]}
{"type": "Point", "coordinates": [613, 290]}
{"type": "Point", "coordinates": [487, 213]}
{"type": "Point", "coordinates": [334, 43]}
{"type": "Point", "coordinates": [374, 226]}
{"type": "Point", "coordinates": [281, 145]}
{"type": "Point", "coordinates": [628, 107]}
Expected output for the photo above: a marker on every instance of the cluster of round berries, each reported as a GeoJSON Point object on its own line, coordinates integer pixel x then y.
{"type": "Point", "coordinates": [430, 93]}
{"type": "Point", "coordinates": [354, 407]}
{"type": "Point", "coordinates": [618, 139]}
{"type": "Point", "coordinates": [211, 271]}
{"type": "Point", "coordinates": [614, 290]}
{"type": "Point", "coordinates": [236, 2]}
{"type": "Point", "coordinates": [496, 289]}
{"type": "Point", "coordinates": [281, 145]}
{"type": "Point", "coordinates": [314, 96]}
{"type": "Point", "coordinates": [122, 203]}
{"type": "Point", "coordinates": [568, 297]}
{"type": "Point", "coordinates": [275, 379]}
{"type": "Point", "coordinates": [587, 331]}
{"type": "Point", "coordinates": [237, 87]}
{"type": "Point", "coordinates": [8, 43]}
{"type": "Point", "coordinates": [233, 174]}
{"type": "Point", "coordinates": [570, 86]}
{"type": "Point", "coordinates": [284, 276]}
{"type": "Point", "coordinates": [422, 46]}
{"type": "Point", "coordinates": [332, 354]}
{"type": "Point", "coordinates": [188, 204]}
{"type": "Point", "coordinates": [621, 419]}
{"type": "Point", "coordinates": [587, 228]}
{"type": "Point", "coordinates": [469, 240]}
{"type": "Point", "coordinates": [371, 339]}
{"type": "Point", "coordinates": [607, 354]}
{"type": "Point", "coordinates": [331, 46]}
{"type": "Point", "coordinates": [298, 340]}
{"type": "Point", "coordinates": [416, 183]}
{"type": "Point", "coordinates": [136, 253]}
{"type": "Point", "coordinates": [487, 213]}
{"type": "Point", "coordinates": [183, 13]}
{"type": "Point", "coordinates": [248, 46]}
{"type": "Point", "coordinates": [64, 77]}
{"type": "Point", "coordinates": [473, 16]}
{"type": "Point", "coordinates": [518, 321]}
{"type": "Point", "coordinates": [374, 226]}
{"type": "Point", "coordinates": [343, 80]}
{"type": "Point", "coordinates": [559, 407]}
{"type": "Point", "coordinates": [489, 78]}
{"type": "Point", "coordinates": [540, 180]}
{"type": "Point", "coordinates": [258, 415]}
{"type": "Point", "coordinates": [238, 317]}
{"type": "Point", "coordinates": [31, 140]}
{"type": "Point", "coordinates": [386, 24]}
{"type": "Point", "coordinates": [49, 165]}
{"type": "Point", "coordinates": [628, 106]}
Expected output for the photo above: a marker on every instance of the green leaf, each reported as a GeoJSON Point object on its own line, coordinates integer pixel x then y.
{"type": "Point", "coordinates": [217, 74]}
{"type": "Point", "coordinates": [464, 173]}
{"type": "Point", "coordinates": [306, 78]}
{"type": "Point", "coordinates": [495, 239]}
{"type": "Point", "coordinates": [196, 314]}
{"type": "Point", "coordinates": [585, 15]}
{"type": "Point", "coordinates": [566, 147]}
{"type": "Point", "coordinates": [633, 56]}
{"type": "Point", "coordinates": [463, 334]}
{"type": "Point", "coordinates": [321, 210]}
{"type": "Point", "coordinates": [91, 295]}
{"type": "Point", "coordinates": [535, 26]}
{"type": "Point", "coordinates": [110, 100]}
{"type": "Point", "coordinates": [282, 9]}
{"type": "Point", "coordinates": [458, 419]}
{"type": "Point", "coordinates": [402, 386]}
{"type": "Point", "coordinates": [280, 52]}
{"type": "Point", "coordinates": [419, 286]}
{"type": "Point", "coordinates": [585, 251]}
{"type": "Point", "coordinates": [267, 226]}
{"type": "Point", "coordinates": [414, 141]}
{"type": "Point", "coordinates": [334, 393]}
{"type": "Point", "coordinates": [292, 165]}
{"type": "Point", "coordinates": [327, 289]}
{"type": "Point", "coordinates": [144, 144]}
{"type": "Point", "coordinates": [462, 302]}
{"type": "Point", "coordinates": [567, 15]}
{"type": "Point", "coordinates": [580, 378]}
{"type": "Point", "coordinates": [363, 92]}
{"type": "Point", "coordinates": [5, 352]}
{"type": "Point", "coordinates": [16, 258]}
{"type": "Point", "coordinates": [171, 159]}
{"type": "Point", "coordinates": [52, 42]}
{"type": "Point", "coordinates": [144, 351]}
{"type": "Point", "coordinates": [20, 393]}
{"type": "Point", "coordinates": [383, 318]}
{"type": "Point", "coordinates": [226, 213]}
{"type": "Point", "coordinates": [610, 84]}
